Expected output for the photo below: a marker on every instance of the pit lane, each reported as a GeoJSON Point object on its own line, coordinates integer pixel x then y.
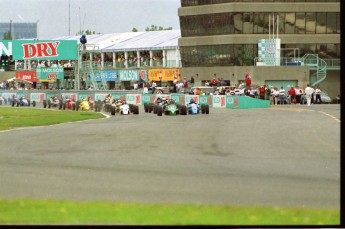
{"type": "Point", "coordinates": [279, 156]}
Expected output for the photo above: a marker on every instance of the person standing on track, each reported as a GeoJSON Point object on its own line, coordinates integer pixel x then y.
{"type": "Point", "coordinates": [309, 92]}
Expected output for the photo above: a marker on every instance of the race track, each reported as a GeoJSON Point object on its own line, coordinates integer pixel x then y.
{"type": "Point", "coordinates": [279, 156]}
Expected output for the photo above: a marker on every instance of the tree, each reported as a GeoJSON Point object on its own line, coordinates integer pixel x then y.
{"type": "Point", "coordinates": [8, 35]}
{"type": "Point", "coordinates": [87, 32]}
{"type": "Point", "coordinates": [134, 30]}
{"type": "Point", "coordinates": [156, 28]}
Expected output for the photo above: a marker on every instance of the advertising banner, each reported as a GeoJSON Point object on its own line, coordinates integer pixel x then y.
{"type": "Point", "coordinates": [23, 94]}
{"type": "Point", "coordinates": [206, 99]}
{"type": "Point", "coordinates": [133, 99]}
{"type": "Point", "coordinates": [52, 95]}
{"type": "Point", "coordinates": [100, 96]}
{"type": "Point", "coordinates": [85, 95]}
{"type": "Point", "coordinates": [147, 98]}
{"type": "Point", "coordinates": [37, 97]}
{"type": "Point", "coordinates": [27, 75]}
{"type": "Point", "coordinates": [7, 96]}
{"type": "Point", "coordinates": [189, 97]}
{"type": "Point", "coordinates": [165, 74]}
{"type": "Point", "coordinates": [44, 49]}
{"type": "Point", "coordinates": [219, 101]}
{"type": "Point", "coordinates": [245, 102]}
{"type": "Point", "coordinates": [143, 75]}
{"type": "Point", "coordinates": [72, 96]}
{"type": "Point", "coordinates": [128, 75]}
{"type": "Point", "coordinates": [50, 73]}
{"type": "Point", "coordinates": [120, 96]}
{"type": "Point", "coordinates": [108, 75]}
{"type": "Point", "coordinates": [231, 101]}
{"type": "Point", "coordinates": [179, 98]}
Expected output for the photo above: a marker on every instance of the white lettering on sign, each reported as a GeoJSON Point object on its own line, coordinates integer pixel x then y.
{"type": "Point", "coordinates": [6, 50]}
{"type": "Point", "coordinates": [26, 77]}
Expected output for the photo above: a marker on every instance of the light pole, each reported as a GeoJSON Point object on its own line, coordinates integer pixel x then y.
{"type": "Point", "coordinates": [37, 28]}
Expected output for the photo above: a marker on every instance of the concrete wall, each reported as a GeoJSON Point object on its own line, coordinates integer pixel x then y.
{"type": "Point", "coordinates": [331, 84]}
{"type": "Point", "coordinates": [258, 74]}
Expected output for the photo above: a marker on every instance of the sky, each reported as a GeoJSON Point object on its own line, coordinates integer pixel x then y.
{"type": "Point", "coordinates": [101, 16]}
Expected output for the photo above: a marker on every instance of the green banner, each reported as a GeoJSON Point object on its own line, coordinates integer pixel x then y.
{"type": "Point", "coordinates": [85, 95]}
{"type": "Point", "coordinates": [44, 49]}
{"type": "Point", "coordinates": [147, 98]}
{"type": "Point", "coordinates": [128, 75]}
{"type": "Point", "coordinates": [49, 73]}
{"type": "Point", "coordinates": [245, 102]}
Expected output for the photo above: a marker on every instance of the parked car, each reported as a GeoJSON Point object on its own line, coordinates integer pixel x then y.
{"type": "Point", "coordinates": [324, 98]}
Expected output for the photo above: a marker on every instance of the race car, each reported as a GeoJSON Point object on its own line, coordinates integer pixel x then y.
{"type": "Point", "coordinates": [171, 108]}
{"type": "Point", "coordinates": [161, 105]}
{"type": "Point", "coordinates": [120, 106]}
{"type": "Point", "coordinates": [84, 105]}
{"type": "Point", "coordinates": [53, 101]}
{"type": "Point", "coordinates": [194, 108]}
{"type": "Point", "coordinates": [69, 104]}
{"type": "Point", "coordinates": [21, 102]}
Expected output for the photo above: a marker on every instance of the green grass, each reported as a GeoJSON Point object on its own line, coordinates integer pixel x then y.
{"type": "Point", "coordinates": [13, 117]}
{"type": "Point", "coordinates": [25, 211]}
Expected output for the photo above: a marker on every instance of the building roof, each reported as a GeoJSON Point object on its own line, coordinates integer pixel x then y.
{"type": "Point", "coordinates": [130, 41]}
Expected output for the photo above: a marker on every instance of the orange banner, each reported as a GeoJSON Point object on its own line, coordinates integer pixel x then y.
{"type": "Point", "coordinates": [166, 74]}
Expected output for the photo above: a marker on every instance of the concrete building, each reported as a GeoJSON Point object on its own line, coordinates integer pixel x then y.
{"type": "Point", "coordinates": [222, 37]}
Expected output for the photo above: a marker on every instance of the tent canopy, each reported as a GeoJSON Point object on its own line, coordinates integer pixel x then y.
{"type": "Point", "coordinates": [131, 41]}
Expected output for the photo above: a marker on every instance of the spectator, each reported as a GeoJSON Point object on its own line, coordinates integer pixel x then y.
{"type": "Point", "coordinates": [179, 86]}
{"type": "Point", "coordinates": [192, 81]}
{"type": "Point", "coordinates": [252, 92]}
{"type": "Point", "coordinates": [282, 95]}
{"type": "Point", "coordinates": [153, 86]}
{"type": "Point", "coordinates": [248, 79]}
{"type": "Point", "coordinates": [213, 82]}
{"type": "Point", "coordinates": [318, 95]}
{"type": "Point", "coordinates": [309, 92]}
{"type": "Point", "coordinates": [267, 92]}
{"type": "Point", "coordinates": [135, 85]}
{"type": "Point", "coordinates": [262, 92]}
{"type": "Point", "coordinates": [298, 93]}
{"type": "Point", "coordinates": [275, 95]}
{"type": "Point", "coordinates": [292, 94]}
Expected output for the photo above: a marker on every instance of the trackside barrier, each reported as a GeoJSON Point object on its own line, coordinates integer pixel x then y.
{"type": "Point", "coordinates": [214, 101]}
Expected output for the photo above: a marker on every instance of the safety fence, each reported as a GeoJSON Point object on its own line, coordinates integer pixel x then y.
{"type": "Point", "coordinates": [214, 101]}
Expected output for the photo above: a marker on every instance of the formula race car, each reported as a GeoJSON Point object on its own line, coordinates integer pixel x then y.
{"type": "Point", "coordinates": [69, 104]}
{"type": "Point", "coordinates": [194, 108]}
{"type": "Point", "coordinates": [161, 105]}
{"type": "Point", "coordinates": [123, 108]}
{"type": "Point", "coordinates": [84, 105]}
{"type": "Point", "coordinates": [53, 101]}
{"type": "Point", "coordinates": [21, 102]}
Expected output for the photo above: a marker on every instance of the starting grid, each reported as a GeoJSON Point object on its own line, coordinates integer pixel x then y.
{"type": "Point", "coordinates": [214, 101]}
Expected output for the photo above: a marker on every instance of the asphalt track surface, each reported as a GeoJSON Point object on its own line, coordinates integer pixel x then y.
{"type": "Point", "coordinates": [283, 156]}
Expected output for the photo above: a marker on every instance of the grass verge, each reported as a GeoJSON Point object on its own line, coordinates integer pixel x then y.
{"type": "Point", "coordinates": [27, 211]}
{"type": "Point", "coordinates": [13, 117]}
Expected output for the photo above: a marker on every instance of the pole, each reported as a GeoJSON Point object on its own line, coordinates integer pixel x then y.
{"type": "Point", "coordinates": [69, 18]}
{"type": "Point", "coordinates": [269, 27]}
{"type": "Point", "coordinates": [11, 30]}
{"type": "Point", "coordinates": [277, 26]}
{"type": "Point", "coordinates": [37, 28]}
{"type": "Point", "coordinates": [273, 26]}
